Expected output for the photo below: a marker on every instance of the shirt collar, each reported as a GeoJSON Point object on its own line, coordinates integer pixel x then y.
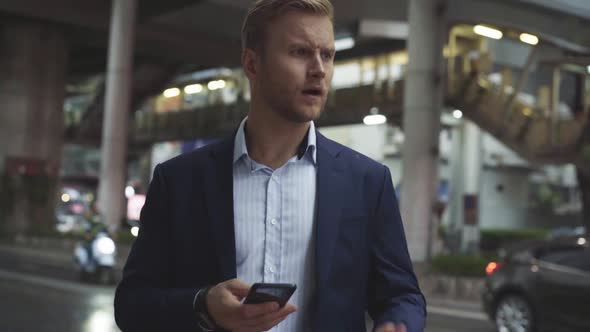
{"type": "Point", "coordinates": [309, 147]}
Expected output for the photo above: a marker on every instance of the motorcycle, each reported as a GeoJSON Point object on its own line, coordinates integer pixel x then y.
{"type": "Point", "coordinates": [95, 259]}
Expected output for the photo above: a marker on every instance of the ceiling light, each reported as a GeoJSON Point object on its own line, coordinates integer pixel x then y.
{"type": "Point", "coordinates": [172, 92]}
{"type": "Point", "coordinates": [344, 44]}
{"type": "Point", "coordinates": [216, 85]}
{"type": "Point", "coordinates": [457, 114]}
{"type": "Point", "coordinates": [193, 88]}
{"type": "Point", "coordinates": [588, 69]}
{"type": "Point", "coordinates": [581, 241]}
{"type": "Point", "coordinates": [529, 39]}
{"type": "Point", "coordinates": [485, 31]}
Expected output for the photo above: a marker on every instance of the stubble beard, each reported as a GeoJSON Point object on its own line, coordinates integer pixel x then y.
{"type": "Point", "coordinates": [287, 109]}
{"type": "Point", "coordinates": [291, 114]}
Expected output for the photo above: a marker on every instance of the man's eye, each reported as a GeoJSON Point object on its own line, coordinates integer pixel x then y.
{"type": "Point", "coordinates": [300, 52]}
{"type": "Point", "coordinates": [327, 56]}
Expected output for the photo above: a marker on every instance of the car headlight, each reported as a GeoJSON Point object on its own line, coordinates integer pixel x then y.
{"type": "Point", "coordinates": [105, 246]}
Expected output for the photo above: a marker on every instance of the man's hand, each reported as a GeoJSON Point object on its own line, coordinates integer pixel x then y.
{"type": "Point", "coordinates": [391, 327]}
{"type": "Point", "coordinates": [225, 307]}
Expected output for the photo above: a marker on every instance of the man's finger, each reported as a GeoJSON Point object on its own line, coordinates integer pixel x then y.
{"type": "Point", "coordinates": [387, 327]}
{"type": "Point", "coordinates": [271, 324]}
{"type": "Point", "coordinates": [400, 328]}
{"type": "Point", "coordinates": [259, 322]}
{"type": "Point", "coordinates": [250, 311]}
{"type": "Point", "coordinates": [268, 321]}
{"type": "Point", "coordinates": [391, 327]}
{"type": "Point", "coordinates": [288, 309]}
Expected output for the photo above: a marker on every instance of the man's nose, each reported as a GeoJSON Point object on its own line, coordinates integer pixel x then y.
{"type": "Point", "coordinates": [317, 67]}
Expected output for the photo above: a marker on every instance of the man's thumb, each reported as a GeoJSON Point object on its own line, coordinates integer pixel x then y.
{"type": "Point", "coordinates": [238, 287]}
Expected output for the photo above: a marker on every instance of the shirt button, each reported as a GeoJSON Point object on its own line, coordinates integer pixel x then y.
{"type": "Point", "coordinates": [272, 269]}
{"type": "Point", "coordinates": [274, 221]}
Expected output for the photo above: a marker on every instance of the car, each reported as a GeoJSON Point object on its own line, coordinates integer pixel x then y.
{"type": "Point", "coordinates": [566, 232]}
{"type": "Point", "coordinates": [540, 286]}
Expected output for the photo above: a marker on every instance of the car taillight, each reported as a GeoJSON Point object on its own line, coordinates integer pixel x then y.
{"type": "Point", "coordinates": [492, 267]}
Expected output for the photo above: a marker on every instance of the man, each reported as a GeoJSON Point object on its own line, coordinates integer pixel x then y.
{"type": "Point", "coordinates": [277, 203]}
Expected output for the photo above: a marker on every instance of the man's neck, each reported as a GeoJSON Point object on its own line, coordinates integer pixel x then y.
{"type": "Point", "coordinates": [271, 140]}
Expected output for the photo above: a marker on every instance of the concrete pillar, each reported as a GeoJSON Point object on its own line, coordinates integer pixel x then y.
{"type": "Point", "coordinates": [472, 164]}
{"type": "Point", "coordinates": [113, 168]}
{"type": "Point", "coordinates": [466, 164]}
{"type": "Point", "coordinates": [33, 59]}
{"type": "Point", "coordinates": [455, 224]}
{"type": "Point", "coordinates": [421, 124]}
{"type": "Point", "coordinates": [554, 111]}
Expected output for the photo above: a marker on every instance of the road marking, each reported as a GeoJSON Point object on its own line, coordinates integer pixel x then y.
{"type": "Point", "coordinates": [457, 313]}
{"type": "Point", "coordinates": [68, 286]}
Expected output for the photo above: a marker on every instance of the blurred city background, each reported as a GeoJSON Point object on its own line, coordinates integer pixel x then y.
{"type": "Point", "coordinates": [480, 109]}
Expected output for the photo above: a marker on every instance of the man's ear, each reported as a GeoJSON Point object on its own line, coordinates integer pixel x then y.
{"type": "Point", "coordinates": [250, 63]}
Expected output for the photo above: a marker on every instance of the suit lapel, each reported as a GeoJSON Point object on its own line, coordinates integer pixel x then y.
{"type": "Point", "coordinates": [330, 182]}
{"type": "Point", "coordinates": [220, 207]}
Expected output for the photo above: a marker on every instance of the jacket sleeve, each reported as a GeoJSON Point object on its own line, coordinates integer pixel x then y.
{"type": "Point", "coordinates": [143, 300]}
{"type": "Point", "coordinates": [394, 294]}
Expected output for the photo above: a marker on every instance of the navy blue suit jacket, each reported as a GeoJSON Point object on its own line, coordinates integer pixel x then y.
{"type": "Point", "coordinates": [187, 242]}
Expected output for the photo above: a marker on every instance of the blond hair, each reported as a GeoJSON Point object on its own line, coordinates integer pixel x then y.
{"type": "Point", "coordinates": [264, 11]}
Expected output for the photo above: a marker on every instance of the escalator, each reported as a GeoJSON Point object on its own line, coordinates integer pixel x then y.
{"type": "Point", "coordinates": [537, 137]}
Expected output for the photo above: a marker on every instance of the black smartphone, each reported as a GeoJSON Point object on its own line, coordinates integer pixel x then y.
{"type": "Point", "coordinates": [270, 292]}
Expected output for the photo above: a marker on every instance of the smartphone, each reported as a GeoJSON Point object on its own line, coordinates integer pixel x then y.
{"type": "Point", "coordinates": [270, 292]}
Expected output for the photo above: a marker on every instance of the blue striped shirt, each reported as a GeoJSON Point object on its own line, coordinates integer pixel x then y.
{"type": "Point", "coordinates": [274, 215]}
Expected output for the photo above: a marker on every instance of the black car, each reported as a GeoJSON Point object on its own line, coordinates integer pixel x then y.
{"type": "Point", "coordinates": [540, 286]}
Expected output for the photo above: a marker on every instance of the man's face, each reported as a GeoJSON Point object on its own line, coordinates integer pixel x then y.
{"type": "Point", "coordinates": [295, 66]}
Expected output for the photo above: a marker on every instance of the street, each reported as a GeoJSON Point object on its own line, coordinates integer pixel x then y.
{"type": "Point", "coordinates": [39, 296]}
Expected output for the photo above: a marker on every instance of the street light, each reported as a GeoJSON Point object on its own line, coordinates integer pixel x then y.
{"type": "Point", "coordinates": [65, 198]}
{"type": "Point", "coordinates": [374, 118]}
{"type": "Point", "coordinates": [129, 192]}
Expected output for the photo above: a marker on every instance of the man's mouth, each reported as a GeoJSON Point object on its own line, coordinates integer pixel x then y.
{"type": "Point", "coordinates": [313, 92]}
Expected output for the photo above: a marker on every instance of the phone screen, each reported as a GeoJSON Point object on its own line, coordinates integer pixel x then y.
{"type": "Point", "coordinates": [266, 292]}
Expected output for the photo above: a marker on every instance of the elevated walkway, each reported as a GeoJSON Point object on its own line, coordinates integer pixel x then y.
{"type": "Point", "coordinates": [345, 106]}
{"type": "Point", "coordinates": [148, 79]}
{"type": "Point", "coordinates": [533, 129]}
{"type": "Point", "coordinates": [539, 137]}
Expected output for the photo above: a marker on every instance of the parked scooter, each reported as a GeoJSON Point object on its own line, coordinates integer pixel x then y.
{"type": "Point", "coordinates": [96, 257]}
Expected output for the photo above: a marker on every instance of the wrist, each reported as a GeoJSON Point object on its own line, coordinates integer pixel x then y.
{"type": "Point", "coordinates": [204, 319]}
